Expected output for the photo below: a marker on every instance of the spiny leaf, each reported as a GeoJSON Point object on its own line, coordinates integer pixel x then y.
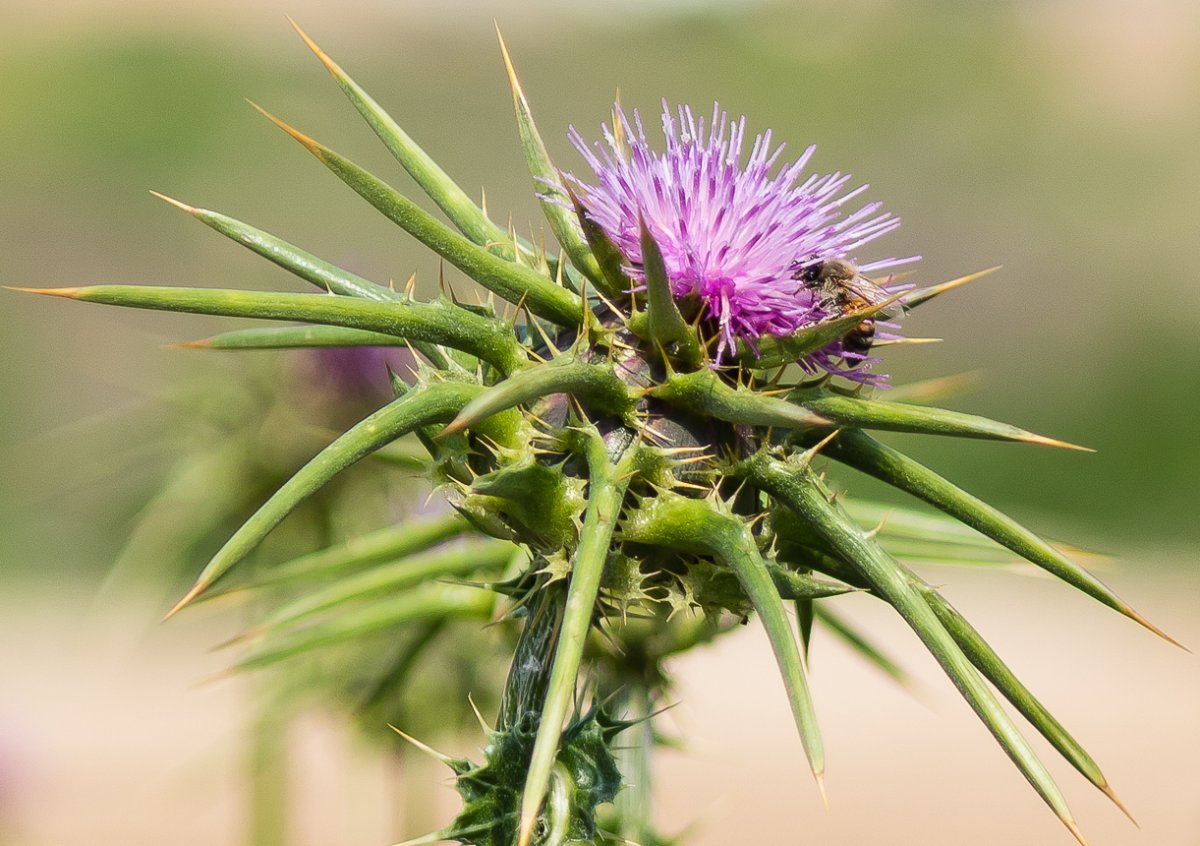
{"type": "Point", "coordinates": [434, 181]}
{"type": "Point", "coordinates": [432, 602]}
{"type": "Point", "coordinates": [703, 392]}
{"type": "Point", "coordinates": [776, 351]}
{"type": "Point", "coordinates": [597, 385]}
{"type": "Point", "coordinates": [420, 407]}
{"type": "Point", "coordinates": [804, 623]}
{"type": "Point", "coordinates": [693, 525]}
{"type": "Point", "coordinates": [387, 544]}
{"type": "Point", "coordinates": [665, 324]}
{"type": "Point", "coordinates": [804, 587]}
{"type": "Point", "coordinates": [606, 253]}
{"type": "Point", "coordinates": [983, 554]}
{"type": "Point", "coordinates": [294, 337]}
{"type": "Point", "coordinates": [546, 178]}
{"type": "Point", "coordinates": [607, 486]}
{"type": "Point", "coordinates": [861, 451]}
{"type": "Point", "coordinates": [997, 672]}
{"type": "Point", "coordinates": [328, 277]}
{"type": "Point", "coordinates": [894, 521]}
{"type": "Point", "coordinates": [513, 282]}
{"type": "Point", "coordinates": [900, 417]}
{"type": "Point", "coordinates": [932, 537]}
{"type": "Point", "coordinates": [437, 322]}
{"type": "Point", "coordinates": [803, 493]}
{"type": "Point", "coordinates": [389, 580]}
{"type": "Point", "coordinates": [912, 299]}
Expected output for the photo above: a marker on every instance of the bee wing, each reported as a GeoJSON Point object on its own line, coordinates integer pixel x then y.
{"type": "Point", "coordinates": [868, 290]}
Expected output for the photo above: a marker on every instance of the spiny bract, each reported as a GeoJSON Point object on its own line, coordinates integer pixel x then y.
{"type": "Point", "coordinates": [630, 435]}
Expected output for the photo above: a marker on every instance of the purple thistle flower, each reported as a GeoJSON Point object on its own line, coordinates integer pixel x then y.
{"type": "Point", "coordinates": [733, 236]}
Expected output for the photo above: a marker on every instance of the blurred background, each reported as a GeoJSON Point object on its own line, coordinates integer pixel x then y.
{"type": "Point", "coordinates": [1055, 138]}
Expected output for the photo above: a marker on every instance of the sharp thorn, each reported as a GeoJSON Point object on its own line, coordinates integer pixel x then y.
{"type": "Point", "coordinates": [176, 203]}
{"type": "Point", "coordinates": [428, 750]}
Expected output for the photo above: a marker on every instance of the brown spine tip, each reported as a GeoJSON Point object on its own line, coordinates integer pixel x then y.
{"type": "Point", "coordinates": [1042, 440]}
{"type": "Point", "coordinates": [1073, 827]}
{"type": "Point", "coordinates": [820, 777]}
{"type": "Point", "coordinates": [518, 94]}
{"type": "Point", "coordinates": [428, 750]}
{"type": "Point", "coordinates": [1108, 791]}
{"type": "Point", "coordinates": [196, 590]}
{"type": "Point", "coordinates": [309, 143]}
{"type": "Point", "coordinates": [1142, 621]}
{"type": "Point", "coordinates": [922, 295]}
{"type": "Point", "coordinates": [453, 427]}
{"type": "Point", "coordinates": [201, 344]}
{"type": "Point", "coordinates": [330, 64]}
{"type": "Point", "coordinates": [192, 210]}
{"type": "Point", "coordinates": [68, 293]}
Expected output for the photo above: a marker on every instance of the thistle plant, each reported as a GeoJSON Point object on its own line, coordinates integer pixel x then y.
{"type": "Point", "coordinates": [637, 432]}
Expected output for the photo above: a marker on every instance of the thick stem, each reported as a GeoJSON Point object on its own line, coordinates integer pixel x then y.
{"type": "Point", "coordinates": [606, 491]}
{"type": "Point", "coordinates": [529, 674]}
{"type": "Point", "coordinates": [634, 755]}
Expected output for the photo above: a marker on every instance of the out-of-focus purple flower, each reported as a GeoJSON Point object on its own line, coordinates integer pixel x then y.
{"type": "Point", "coordinates": [734, 236]}
{"type": "Point", "coordinates": [335, 376]}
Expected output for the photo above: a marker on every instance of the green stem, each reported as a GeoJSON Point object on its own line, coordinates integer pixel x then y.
{"type": "Point", "coordinates": [606, 491]}
{"type": "Point", "coordinates": [634, 803]}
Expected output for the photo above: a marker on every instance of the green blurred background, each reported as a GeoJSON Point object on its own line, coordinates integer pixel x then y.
{"type": "Point", "coordinates": [1057, 139]}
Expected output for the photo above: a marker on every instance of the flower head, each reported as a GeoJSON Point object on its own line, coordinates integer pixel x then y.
{"type": "Point", "coordinates": [733, 236]}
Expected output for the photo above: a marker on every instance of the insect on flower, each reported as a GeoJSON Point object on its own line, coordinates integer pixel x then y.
{"type": "Point", "coordinates": [841, 289]}
{"type": "Point", "coordinates": [733, 234]}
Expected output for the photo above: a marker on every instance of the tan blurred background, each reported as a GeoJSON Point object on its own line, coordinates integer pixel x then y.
{"type": "Point", "coordinates": [1055, 138]}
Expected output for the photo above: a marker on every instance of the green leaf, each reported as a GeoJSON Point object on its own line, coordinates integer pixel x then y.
{"type": "Point", "coordinates": [912, 299]}
{"type": "Point", "coordinates": [703, 392]}
{"type": "Point", "coordinates": [328, 277]}
{"type": "Point", "coordinates": [388, 544]}
{"type": "Point", "coordinates": [776, 351]}
{"type": "Point", "coordinates": [431, 602]}
{"type": "Point", "coordinates": [949, 554]}
{"type": "Point", "coordinates": [606, 490]}
{"type": "Point", "coordinates": [514, 282]}
{"type": "Point", "coordinates": [997, 672]}
{"type": "Point", "coordinates": [696, 526]}
{"type": "Point", "coordinates": [608, 257]}
{"type": "Point", "coordinates": [597, 385]}
{"type": "Point", "coordinates": [434, 181]}
{"type": "Point", "coordinates": [546, 178]}
{"type": "Point", "coordinates": [805, 613]}
{"type": "Point", "coordinates": [438, 322]}
{"type": "Point", "coordinates": [421, 406]}
{"type": "Point", "coordinates": [862, 452]}
{"type": "Point", "coordinates": [900, 523]}
{"type": "Point", "coordinates": [665, 324]}
{"type": "Point", "coordinates": [294, 337]}
{"type": "Point", "coordinates": [389, 579]}
{"type": "Point", "coordinates": [802, 492]}
{"type": "Point", "coordinates": [804, 587]}
{"type": "Point", "coordinates": [901, 417]}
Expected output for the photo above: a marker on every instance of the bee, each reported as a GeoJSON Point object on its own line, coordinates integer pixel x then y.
{"type": "Point", "coordinates": [840, 289]}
